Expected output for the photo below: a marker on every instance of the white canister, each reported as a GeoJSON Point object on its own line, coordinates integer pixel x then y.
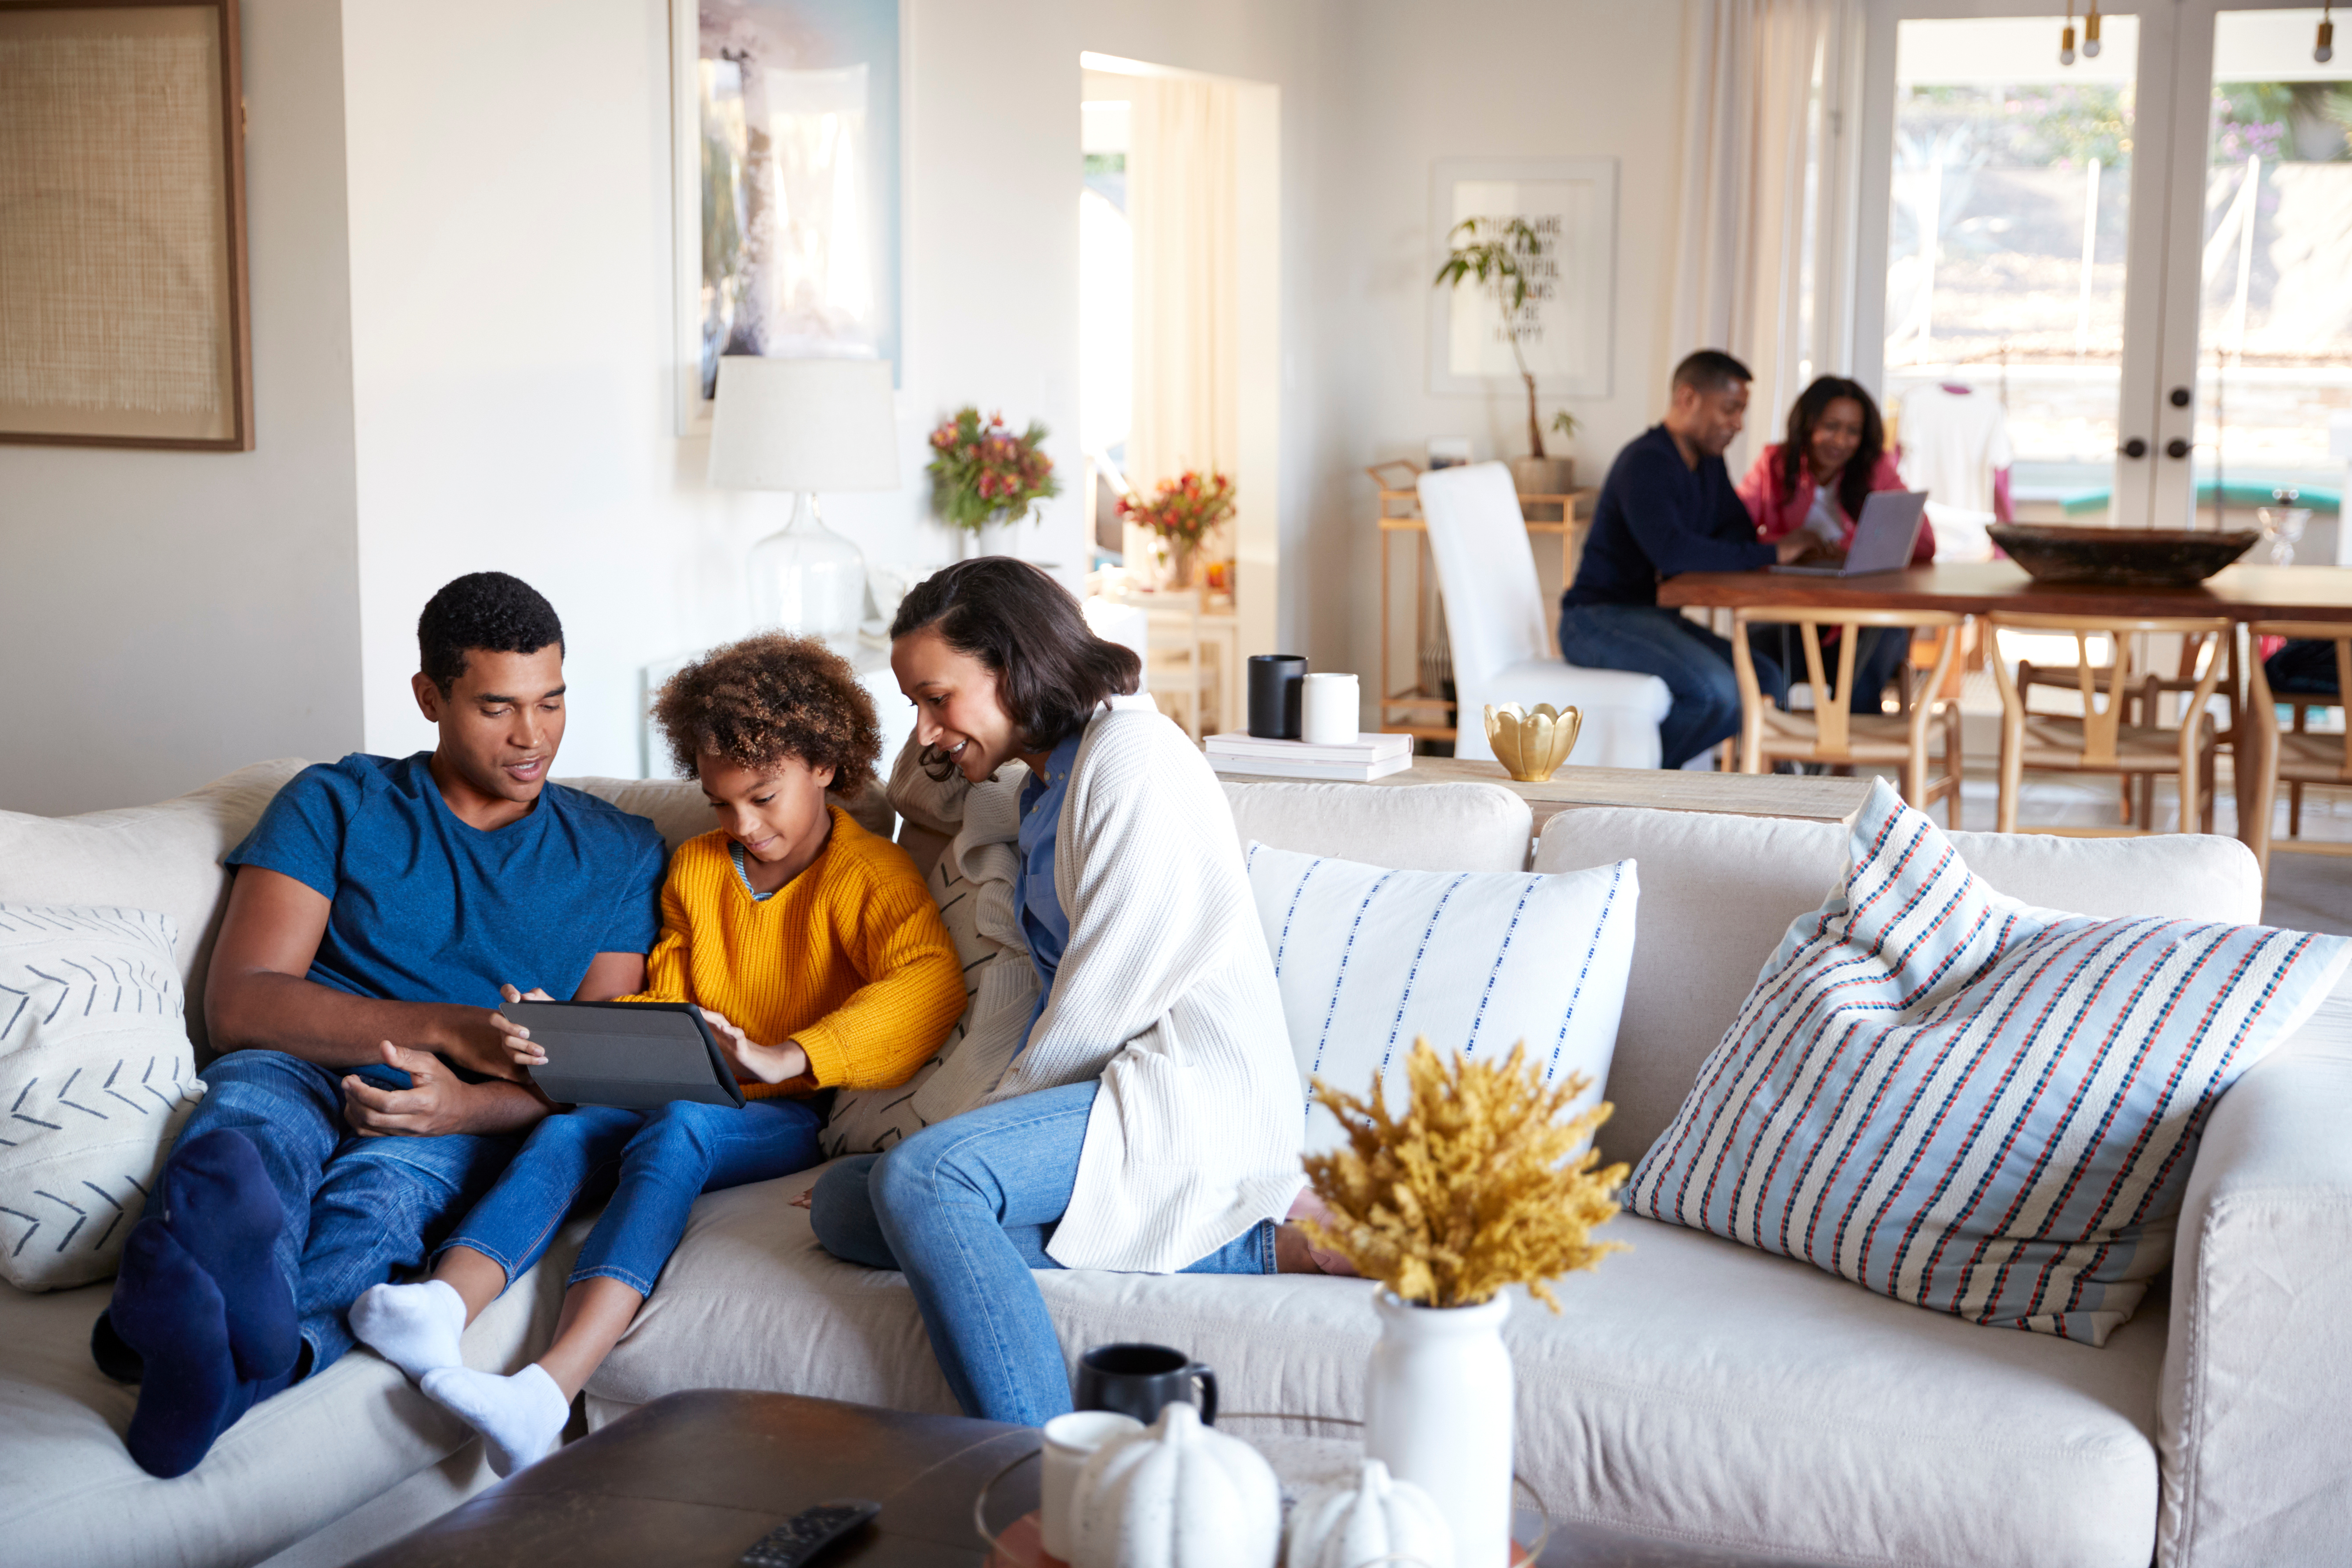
{"type": "Point", "coordinates": [1330, 707]}
{"type": "Point", "coordinates": [1438, 1411]}
{"type": "Point", "coordinates": [1070, 1442]}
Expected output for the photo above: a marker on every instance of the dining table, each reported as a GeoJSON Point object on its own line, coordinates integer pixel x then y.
{"type": "Point", "coordinates": [2239, 594]}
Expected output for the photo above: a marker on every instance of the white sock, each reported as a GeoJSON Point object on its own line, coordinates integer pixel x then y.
{"type": "Point", "coordinates": [414, 1327]}
{"type": "Point", "coordinates": [519, 1417]}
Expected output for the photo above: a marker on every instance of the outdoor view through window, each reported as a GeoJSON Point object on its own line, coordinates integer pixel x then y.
{"type": "Point", "coordinates": [2012, 224]}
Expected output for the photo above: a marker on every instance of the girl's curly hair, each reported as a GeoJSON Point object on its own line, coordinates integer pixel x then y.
{"type": "Point", "coordinates": [759, 701]}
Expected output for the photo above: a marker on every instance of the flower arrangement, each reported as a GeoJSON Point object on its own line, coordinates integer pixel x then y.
{"type": "Point", "coordinates": [1478, 1186]}
{"type": "Point", "coordinates": [1185, 509]}
{"type": "Point", "coordinates": [982, 473]}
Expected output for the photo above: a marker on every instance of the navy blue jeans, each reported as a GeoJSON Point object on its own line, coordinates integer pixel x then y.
{"type": "Point", "coordinates": [357, 1209]}
{"type": "Point", "coordinates": [653, 1166]}
{"type": "Point", "coordinates": [1693, 661]}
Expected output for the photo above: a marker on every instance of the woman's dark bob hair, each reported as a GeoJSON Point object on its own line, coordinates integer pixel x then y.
{"type": "Point", "coordinates": [1052, 672]}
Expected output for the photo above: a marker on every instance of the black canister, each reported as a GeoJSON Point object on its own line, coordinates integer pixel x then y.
{"type": "Point", "coordinates": [1275, 684]}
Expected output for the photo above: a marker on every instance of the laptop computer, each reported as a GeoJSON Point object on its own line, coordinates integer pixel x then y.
{"type": "Point", "coordinates": [1884, 536]}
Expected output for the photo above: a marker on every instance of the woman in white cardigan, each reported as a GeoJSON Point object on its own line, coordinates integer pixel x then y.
{"type": "Point", "coordinates": [1148, 1117]}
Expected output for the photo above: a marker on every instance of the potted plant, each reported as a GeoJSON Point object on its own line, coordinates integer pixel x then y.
{"type": "Point", "coordinates": [1184, 511]}
{"type": "Point", "coordinates": [1485, 1181]}
{"type": "Point", "coordinates": [1500, 254]}
{"type": "Point", "coordinates": [982, 474]}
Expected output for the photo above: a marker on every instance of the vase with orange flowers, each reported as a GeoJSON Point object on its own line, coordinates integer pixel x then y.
{"type": "Point", "coordinates": [1182, 512]}
{"type": "Point", "coordinates": [982, 474]}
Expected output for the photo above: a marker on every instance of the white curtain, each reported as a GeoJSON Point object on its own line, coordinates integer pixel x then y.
{"type": "Point", "coordinates": [1180, 201]}
{"type": "Point", "coordinates": [1762, 264]}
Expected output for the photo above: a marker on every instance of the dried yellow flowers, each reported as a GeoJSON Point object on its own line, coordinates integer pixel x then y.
{"type": "Point", "coordinates": [1479, 1185]}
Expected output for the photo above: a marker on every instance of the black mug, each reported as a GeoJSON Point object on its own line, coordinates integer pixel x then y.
{"type": "Point", "coordinates": [1141, 1380]}
{"type": "Point", "coordinates": [1278, 681]}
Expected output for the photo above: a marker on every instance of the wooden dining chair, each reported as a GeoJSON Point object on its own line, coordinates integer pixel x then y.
{"type": "Point", "coordinates": [2295, 756]}
{"type": "Point", "coordinates": [2100, 740]}
{"type": "Point", "coordinates": [1833, 732]}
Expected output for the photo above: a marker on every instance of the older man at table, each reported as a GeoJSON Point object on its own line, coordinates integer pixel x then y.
{"type": "Point", "coordinates": [1668, 508]}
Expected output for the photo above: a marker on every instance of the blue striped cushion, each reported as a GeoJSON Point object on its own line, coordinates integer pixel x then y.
{"type": "Point", "coordinates": [1369, 959]}
{"type": "Point", "coordinates": [1967, 1104]}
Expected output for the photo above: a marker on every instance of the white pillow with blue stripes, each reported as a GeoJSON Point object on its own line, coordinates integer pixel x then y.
{"type": "Point", "coordinates": [1370, 959]}
{"type": "Point", "coordinates": [1969, 1103]}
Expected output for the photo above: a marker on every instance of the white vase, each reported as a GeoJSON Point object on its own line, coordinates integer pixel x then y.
{"type": "Point", "coordinates": [996, 538]}
{"type": "Point", "coordinates": [1437, 1412]}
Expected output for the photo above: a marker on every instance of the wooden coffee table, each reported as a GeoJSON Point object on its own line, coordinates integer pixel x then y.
{"type": "Point", "coordinates": [693, 1479]}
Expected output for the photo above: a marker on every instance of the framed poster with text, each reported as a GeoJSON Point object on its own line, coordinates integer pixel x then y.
{"type": "Point", "coordinates": [1565, 329]}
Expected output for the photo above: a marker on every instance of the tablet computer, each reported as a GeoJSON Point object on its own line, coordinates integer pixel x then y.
{"type": "Point", "coordinates": [637, 1055]}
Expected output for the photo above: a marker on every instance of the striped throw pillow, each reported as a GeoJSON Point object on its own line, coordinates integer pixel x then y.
{"type": "Point", "coordinates": [1369, 959]}
{"type": "Point", "coordinates": [1970, 1104]}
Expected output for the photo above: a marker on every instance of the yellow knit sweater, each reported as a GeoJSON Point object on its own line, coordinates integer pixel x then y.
{"type": "Point", "coordinates": [849, 958]}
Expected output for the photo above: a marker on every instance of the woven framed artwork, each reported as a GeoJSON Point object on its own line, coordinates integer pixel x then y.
{"type": "Point", "coordinates": [123, 316]}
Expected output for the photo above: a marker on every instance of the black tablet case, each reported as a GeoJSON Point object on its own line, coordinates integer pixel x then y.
{"type": "Point", "coordinates": [637, 1055]}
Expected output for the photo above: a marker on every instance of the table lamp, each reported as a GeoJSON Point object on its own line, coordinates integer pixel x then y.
{"type": "Point", "coordinates": [805, 426]}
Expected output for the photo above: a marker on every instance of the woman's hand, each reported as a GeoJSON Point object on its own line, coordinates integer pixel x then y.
{"type": "Point", "coordinates": [765, 1063]}
{"type": "Point", "coordinates": [525, 1051]}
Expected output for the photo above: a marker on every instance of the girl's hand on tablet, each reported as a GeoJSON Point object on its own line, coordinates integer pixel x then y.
{"type": "Point", "coordinates": [762, 1064]}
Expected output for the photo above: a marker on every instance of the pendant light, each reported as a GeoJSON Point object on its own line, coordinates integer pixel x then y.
{"type": "Point", "coordinates": [2091, 32]}
{"type": "Point", "coordinates": [2067, 38]}
{"type": "Point", "coordinates": [2325, 50]}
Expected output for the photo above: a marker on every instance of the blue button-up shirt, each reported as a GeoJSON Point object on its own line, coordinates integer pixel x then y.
{"type": "Point", "coordinates": [1043, 922]}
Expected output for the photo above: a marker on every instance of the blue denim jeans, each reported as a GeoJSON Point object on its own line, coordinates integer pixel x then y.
{"type": "Point", "coordinates": [1693, 661]}
{"type": "Point", "coordinates": [966, 1208]}
{"type": "Point", "coordinates": [357, 1209]}
{"type": "Point", "coordinates": [654, 1167]}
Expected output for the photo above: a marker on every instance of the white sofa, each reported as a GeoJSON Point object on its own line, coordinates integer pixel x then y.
{"type": "Point", "coordinates": [1692, 1390]}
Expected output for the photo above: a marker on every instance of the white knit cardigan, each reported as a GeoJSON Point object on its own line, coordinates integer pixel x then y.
{"type": "Point", "coordinates": [1165, 991]}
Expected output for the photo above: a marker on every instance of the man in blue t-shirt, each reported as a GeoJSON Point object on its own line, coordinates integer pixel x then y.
{"type": "Point", "coordinates": [381, 908]}
{"type": "Point", "coordinates": [1668, 508]}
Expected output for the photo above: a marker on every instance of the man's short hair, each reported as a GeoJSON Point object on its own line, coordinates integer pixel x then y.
{"type": "Point", "coordinates": [1710, 370]}
{"type": "Point", "coordinates": [485, 610]}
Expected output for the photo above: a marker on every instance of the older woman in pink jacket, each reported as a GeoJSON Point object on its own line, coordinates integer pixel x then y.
{"type": "Point", "coordinates": [1816, 481]}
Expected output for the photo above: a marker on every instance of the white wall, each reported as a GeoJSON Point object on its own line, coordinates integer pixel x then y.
{"type": "Point", "coordinates": [168, 616]}
{"type": "Point", "coordinates": [511, 337]}
{"type": "Point", "coordinates": [1415, 83]}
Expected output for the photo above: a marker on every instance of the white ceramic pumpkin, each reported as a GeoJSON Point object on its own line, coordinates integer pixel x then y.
{"type": "Point", "coordinates": [1342, 1526]}
{"type": "Point", "coordinates": [1176, 1495]}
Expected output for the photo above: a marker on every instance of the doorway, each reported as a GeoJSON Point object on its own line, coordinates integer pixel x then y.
{"type": "Point", "coordinates": [2132, 269]}
{"type": "Point", "coordinates": [1179, 273]}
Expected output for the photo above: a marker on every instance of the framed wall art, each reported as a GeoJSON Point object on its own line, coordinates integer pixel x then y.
{"type": "Point", "coordinates": [123, 269]}
{"type": "Point", "coordinates": [787, 174]}
{"type": "Point", "coordinates": [1565, 329]}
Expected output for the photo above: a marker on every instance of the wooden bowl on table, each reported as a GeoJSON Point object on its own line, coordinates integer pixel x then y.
{"type": "Point", "coordinates": [2121, 558]}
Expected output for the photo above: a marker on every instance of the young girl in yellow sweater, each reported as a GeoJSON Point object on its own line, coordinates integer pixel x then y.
{"type": "Point", "coordinates": [815, 953]}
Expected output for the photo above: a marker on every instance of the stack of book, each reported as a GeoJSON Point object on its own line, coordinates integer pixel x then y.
{"type": "Point", "coordinates": [1360, 760]}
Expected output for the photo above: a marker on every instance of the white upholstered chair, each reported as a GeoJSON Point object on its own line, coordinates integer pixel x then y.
{"type": "Point", "coordinates": [1501, 627]}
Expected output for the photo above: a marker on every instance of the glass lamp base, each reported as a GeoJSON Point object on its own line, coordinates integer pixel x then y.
{"type": "Point", "coordinates": [808, 579]}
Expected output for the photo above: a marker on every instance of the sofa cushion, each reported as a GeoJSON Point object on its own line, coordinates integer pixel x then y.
{"type": "Point", "coordinates": [70, 1493]}
{"type": "Point", "coordinates": [1419, 827]}
{"type": "Point", "coordinates": [165, 857]}
{"type": "Point", "coordinates": [1690, 1387]}
{"type": "Point", "coordinates": [1370, 960]}
{"type": "Point", "coordinates": [97, 1076]}
{"type": "Point", "coordinates": [1717, 891]}
{"type": "Point", "coordinates": [1969, 1104]}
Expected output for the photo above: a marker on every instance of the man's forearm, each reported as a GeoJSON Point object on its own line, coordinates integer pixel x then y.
{"type": "Point", "coordinates": [496, 1106]}
{"type": "Point", "coordinates": [264, 1010]}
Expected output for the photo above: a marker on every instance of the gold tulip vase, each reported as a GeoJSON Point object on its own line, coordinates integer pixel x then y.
{"type": "Point", "coordinates": [1531, 746]}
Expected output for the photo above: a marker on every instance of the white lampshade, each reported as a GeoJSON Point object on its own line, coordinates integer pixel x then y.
{"type": "Point", "coordinates": [819, 425]}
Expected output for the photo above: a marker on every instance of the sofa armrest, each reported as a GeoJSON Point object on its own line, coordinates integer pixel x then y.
{"type": "Point", "coordinates": [2256, 1431]}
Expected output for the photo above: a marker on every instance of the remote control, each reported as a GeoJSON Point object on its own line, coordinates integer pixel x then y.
{"type": "Point", "coordinates": [800, 1538]}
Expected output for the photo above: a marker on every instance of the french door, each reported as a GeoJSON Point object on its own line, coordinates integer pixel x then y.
{"type": "Point", "coordinates": [2143, 253]}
